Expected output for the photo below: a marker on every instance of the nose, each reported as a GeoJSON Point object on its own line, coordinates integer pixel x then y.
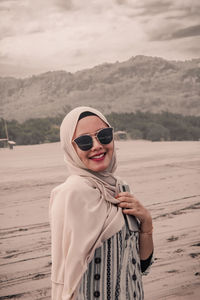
{"type": "Point", "coordinates": [96, 144]}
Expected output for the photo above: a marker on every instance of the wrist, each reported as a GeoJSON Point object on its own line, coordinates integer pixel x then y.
{"type": "Point", "coordinates": [148, 231]}
{"type": "Point", "coordinates": [146, 226]}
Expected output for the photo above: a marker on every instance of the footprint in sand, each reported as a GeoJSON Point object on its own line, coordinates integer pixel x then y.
{"type": "Point", "coordinates": [179, 250]}
{"type": "Point", "coordinates": [196, 245]}
{"type": "Point", "coordinates": [172, 238]}
{"type": "Point", "coordinates": [194, 255]}
{"type": "Point", "coordinates": [172, 271]}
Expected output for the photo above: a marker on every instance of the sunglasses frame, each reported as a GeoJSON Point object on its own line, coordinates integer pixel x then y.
{"type": "Point", "coordinates": [96, 136]}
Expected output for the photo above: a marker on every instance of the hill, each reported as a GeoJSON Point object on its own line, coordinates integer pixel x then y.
{"type": "Point", "coordinates": [140, 83]}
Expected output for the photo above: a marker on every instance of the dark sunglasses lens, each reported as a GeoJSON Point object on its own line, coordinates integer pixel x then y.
{"type": "Point", "coordinates": [105, 136]}
{"type": "Point", "coordinates": [84, 142]}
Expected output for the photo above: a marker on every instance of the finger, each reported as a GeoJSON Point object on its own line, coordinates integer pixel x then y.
{"type": "Point", "coordinates": [123, 194]}
{"type": "Point", "coordinates": [130, 199]}
{"type": "Point", "coordinates": [125, 205]}
{"type": "Point", "coordinates": [129, 212]}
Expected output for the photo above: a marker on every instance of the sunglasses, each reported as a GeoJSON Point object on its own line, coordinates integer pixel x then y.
{"type": "Point", "coordinates": [104, 136]}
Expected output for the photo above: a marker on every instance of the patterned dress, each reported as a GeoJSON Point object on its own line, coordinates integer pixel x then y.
{"type": "Point", "coordinates": [115, 270]}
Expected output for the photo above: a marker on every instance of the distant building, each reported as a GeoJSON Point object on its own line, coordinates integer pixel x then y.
{"type": "Point", "coordinates": [11, 144]}
{"type": "Point", "coordinates": [121, 135]}
{"type": "Point", "coordinates": [4, 143]}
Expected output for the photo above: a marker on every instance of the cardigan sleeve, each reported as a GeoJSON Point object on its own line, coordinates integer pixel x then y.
{"type": "Point", "coordinates": [76, 224]}
{"type": "Point", "coordinates": [146, 263]}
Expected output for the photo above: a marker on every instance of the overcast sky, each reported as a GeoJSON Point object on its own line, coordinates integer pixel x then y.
{"type": "Point", "coordinates": [45, 35]}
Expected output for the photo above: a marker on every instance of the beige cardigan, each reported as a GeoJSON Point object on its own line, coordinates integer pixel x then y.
{"type": "Point", "coordinates": [74, 239]}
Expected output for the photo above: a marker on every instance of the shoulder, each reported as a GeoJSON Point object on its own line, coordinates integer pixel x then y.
{"type": "Point", "coordinates": [72, 196]}
{"type": "Point", "coordinates": [75, 186]}
{"type": "Point", "coordinates": [73, 183]}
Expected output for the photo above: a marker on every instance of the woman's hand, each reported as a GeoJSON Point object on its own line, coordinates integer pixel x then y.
{"type": "Point", "coordinates": [130, 205]}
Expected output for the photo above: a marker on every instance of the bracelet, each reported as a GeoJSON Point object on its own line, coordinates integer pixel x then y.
{"type": "Point", "coordinates": [150, 232]}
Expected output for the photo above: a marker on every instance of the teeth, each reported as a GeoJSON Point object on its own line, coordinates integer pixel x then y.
{"type": "Point", "coordinates": [98, 156]}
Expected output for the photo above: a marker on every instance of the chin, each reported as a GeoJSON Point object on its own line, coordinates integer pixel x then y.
{"type": "Point", "coordinates": [98, 168]}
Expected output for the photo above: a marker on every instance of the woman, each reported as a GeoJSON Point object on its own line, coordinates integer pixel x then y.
{"type": "Point", "coordinates": [101, 236]}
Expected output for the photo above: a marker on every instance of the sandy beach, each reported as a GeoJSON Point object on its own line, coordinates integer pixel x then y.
{"type": "Point", "coordinates": [165, 176]}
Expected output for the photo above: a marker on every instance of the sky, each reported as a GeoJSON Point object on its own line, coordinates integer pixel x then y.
{"type": "Point", "coordinates": [38, 36]}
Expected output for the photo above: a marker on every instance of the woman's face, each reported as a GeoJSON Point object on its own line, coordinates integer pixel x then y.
{"type": "Point", "coordinates": [99, 156]}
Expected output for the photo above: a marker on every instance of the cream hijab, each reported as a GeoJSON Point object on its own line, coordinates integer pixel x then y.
{"type": "Point", "coordinates": [83, 213]}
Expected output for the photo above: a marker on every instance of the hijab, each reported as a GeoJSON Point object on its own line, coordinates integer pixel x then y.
{"type": "Point", "coordinates": [83, 212]}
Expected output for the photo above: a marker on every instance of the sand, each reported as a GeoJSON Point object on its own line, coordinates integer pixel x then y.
{"type": "Point", "coordinates": [164, 176]}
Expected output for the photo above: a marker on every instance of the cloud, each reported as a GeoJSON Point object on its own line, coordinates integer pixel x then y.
{"type": "Point", "coordinates": [186, 32]}
{"type": "Point", "coordinates": [168, 32]}
{"type": "Point", "coordinates": [146, 7]}
{"type": "Point", "coordinates": [156, 7]}
{"type": "Point", "coordinates": [76, 34]}
{"type": "Point", "coordinates": [178, 20]}
{"type": "Point", "coordinates": [64, 4]}
{"type": "Point", "coordinates": [152, 8]}
{"type": "Point", "coordinates": [193, 48]}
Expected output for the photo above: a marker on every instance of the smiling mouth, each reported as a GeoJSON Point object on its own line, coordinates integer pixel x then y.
{"type": "Point", "coordinates": [98, 157]}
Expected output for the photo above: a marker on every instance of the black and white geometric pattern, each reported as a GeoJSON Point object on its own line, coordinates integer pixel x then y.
{"type": "Point", "coordinates": [114, 272]}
